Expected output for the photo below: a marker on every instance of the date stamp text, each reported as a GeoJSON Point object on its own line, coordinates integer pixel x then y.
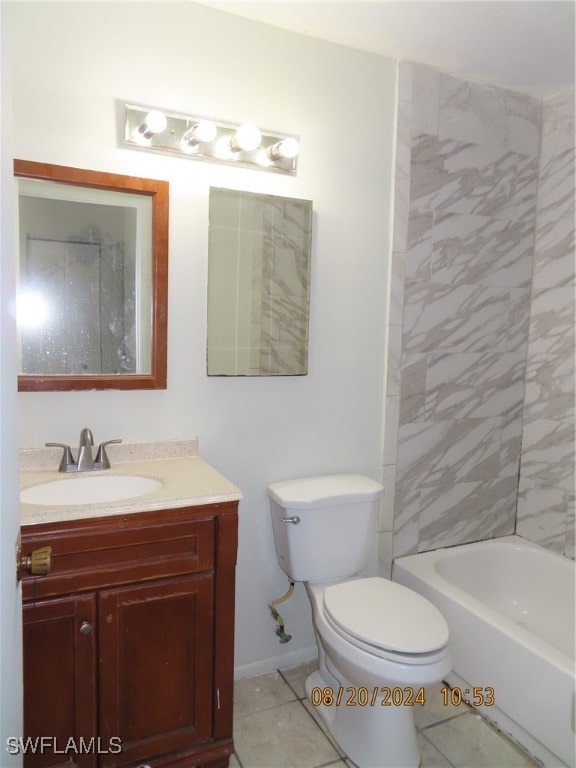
{"type": "Point", "coordinates": [382, 696]}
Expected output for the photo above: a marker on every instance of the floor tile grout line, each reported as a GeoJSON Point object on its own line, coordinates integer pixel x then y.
{"type": "Point", "coordinates": [303, 699]}
{"type": "Point", "coordinates": [424, 731]}
{"type": "Point", "coordinates": [439, 750]}
{"type": "Point", "coordinates": [265, 709]}
{"type": "Point", "coordinates": [273, 706]}
{"type": "Point", "coordinates": [327, 735]}
{"type": "Point", "coordinates": [292, 688]}
{"type": "Point", "coordinates": [430, 726]}
{"type": "Point", "coordinates": [440, 722]}
{"type": "Point", "coordinates": [340, 756]}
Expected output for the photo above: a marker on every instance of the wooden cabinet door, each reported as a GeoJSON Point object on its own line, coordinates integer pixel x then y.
{"type": "Point", "coordinates": [60, 683]}
{"type": "Point", "coordinates": [156, 666]}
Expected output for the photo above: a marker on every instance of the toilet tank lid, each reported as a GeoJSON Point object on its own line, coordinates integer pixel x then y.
{"type": "Point", "coordinates": [324, 490]}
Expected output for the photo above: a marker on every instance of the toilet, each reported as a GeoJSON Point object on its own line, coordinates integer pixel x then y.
{"type": "Point", "coordinates": [379, 643]}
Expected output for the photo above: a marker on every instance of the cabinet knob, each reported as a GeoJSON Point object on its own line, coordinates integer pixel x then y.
{"type": "Point", "coordinates": [37, 563]}
{"type": "Point", "coordinates": [85, 628]}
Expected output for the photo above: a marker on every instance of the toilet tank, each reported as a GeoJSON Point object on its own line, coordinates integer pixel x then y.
{"type": "Point", "coordinates": [324, 526]}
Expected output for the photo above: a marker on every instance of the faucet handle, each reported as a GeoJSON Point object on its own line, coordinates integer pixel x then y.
{"type": "Point", "coordinates": [67, 463]}
{"type": "Point", "coordinates": [102, 461]}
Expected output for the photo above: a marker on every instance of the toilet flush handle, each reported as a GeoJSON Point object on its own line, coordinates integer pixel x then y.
{"type": "Point", "coordinates": [295, 520]}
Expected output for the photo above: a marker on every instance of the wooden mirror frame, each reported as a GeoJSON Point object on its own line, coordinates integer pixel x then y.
{"type": "Point", "coordinates": [159, 192]}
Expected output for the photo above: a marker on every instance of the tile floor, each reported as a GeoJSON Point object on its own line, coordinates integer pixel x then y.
{"type": "Point", "coordinates": [276, 727]}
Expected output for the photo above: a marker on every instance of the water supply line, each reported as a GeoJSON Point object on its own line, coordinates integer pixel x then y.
{"type": "Point", "coordinates": [284, 638]}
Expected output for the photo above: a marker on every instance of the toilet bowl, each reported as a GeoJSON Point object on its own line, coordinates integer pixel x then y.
{"type": "Point", "coordinates": [379, 685]}
{"type": "Point", "coordinates": [360, 621]}
{"type": "Point", "coordinates": [379, 643]}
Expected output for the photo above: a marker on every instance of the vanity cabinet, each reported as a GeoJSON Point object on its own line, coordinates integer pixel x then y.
{"type": "Point", "coordinates": [128, 641]}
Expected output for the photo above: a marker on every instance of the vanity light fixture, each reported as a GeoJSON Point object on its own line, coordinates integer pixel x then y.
{"type": "Point", "coordinates": [196, 137]}
{"type": "Point", "coordinates": [247, 137]}
{"type": "Point", "coordinates": [287, 148]}
{"type": "Point", "coordinates": [202, 131]}
{"type": "Point", "coordinates": [154, 122]}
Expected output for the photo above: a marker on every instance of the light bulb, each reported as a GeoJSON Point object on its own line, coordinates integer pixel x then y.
{"type": "Point", "coordinates": [223, 149]}
{"type": "Point", "coordinates": [31, 309]}
{"type": "Point", "coordinates": [204, 131]}
{"type": "Point", "coordinates": [247, 137]}
{"type": "Point", "coordinates": [263, 158]}
{"type": "Point", "coordinates": [155, 122]}
{"type": "Point", "coordinates": [286, 149]}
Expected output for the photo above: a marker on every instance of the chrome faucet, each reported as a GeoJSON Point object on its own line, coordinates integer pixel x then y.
{"type": "Point", "coordinates": [86, 461]}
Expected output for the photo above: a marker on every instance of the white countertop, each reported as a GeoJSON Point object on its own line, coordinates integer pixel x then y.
{"type": "Point", "coordinates": [186, 480]}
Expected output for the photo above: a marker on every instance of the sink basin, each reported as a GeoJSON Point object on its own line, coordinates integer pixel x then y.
{"type": "Point", "coordinates": [89, 490]}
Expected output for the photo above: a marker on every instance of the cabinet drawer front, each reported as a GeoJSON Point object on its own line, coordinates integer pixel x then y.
{"type": "Point", "coordinates": [98, 555]}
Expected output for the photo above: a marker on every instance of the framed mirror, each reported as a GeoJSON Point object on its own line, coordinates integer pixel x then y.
{"type": "Point", "coordinates": [92, 294]}
{"type": "Point", "coordinates": [258, 284]}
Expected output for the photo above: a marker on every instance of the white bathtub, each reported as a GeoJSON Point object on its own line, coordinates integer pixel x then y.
{"type": "Point", "coordinates": [509, 605]}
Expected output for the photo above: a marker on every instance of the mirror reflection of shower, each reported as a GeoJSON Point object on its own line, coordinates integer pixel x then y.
{"type": "Point", "coordinates": [258, 284]}
{"type": "Point", "coordinates": [75, 310]}
{"type": "Point", "coordinates": [84, 290]}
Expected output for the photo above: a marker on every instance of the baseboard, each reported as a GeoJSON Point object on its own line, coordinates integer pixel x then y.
{"type": "Point", "coordinates": [283, 661]}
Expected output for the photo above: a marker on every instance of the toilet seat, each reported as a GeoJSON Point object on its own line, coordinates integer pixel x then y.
{"type": "Point", "coordinates": [386, 619]}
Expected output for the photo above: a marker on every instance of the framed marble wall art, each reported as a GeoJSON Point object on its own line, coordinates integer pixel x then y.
{"type": "Point", "coordinates": [258, 284]}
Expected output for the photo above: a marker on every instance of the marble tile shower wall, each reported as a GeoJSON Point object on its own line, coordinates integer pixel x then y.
{"type": "Point", "coordinates": [465, 203]}
{"type": "Point", "coordinates": [546, 490]}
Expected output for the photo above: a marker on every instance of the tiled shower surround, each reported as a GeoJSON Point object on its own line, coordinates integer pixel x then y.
{"type": "Point", "coordinates": [466, 194]}
{"type": "Point", "coordinates": [546, 491]}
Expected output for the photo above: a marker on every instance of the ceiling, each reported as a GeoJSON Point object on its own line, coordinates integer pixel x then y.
{"type": "Point", "coordinates": [522, 45]}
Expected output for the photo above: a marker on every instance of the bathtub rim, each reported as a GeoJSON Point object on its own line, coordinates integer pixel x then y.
{"type": "Point", "coordinates": [421, 566]}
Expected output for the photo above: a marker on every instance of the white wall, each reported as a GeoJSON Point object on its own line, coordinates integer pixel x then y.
{"type": "Point", "coordinates": [75, 65]}
{"type": "Point", "coordinates": [10, 596]}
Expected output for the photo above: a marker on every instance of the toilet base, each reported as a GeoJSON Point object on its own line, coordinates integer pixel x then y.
{"type": "Point", "coordinates": [372, 735]}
